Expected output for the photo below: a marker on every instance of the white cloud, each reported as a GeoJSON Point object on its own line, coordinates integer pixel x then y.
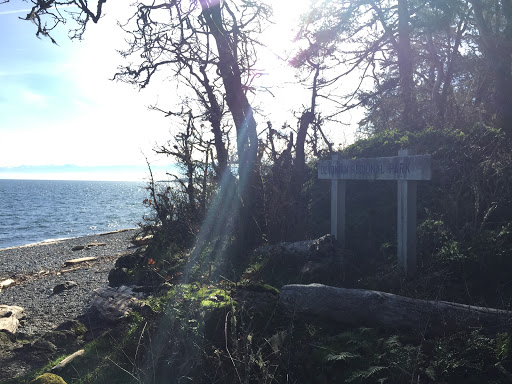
{"type": "Point", "coordinates": [33, 99]}
{"type": "Point", "coordinates": [97, 121]}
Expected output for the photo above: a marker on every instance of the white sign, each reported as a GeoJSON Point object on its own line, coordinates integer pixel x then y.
{"type": "Point", "coordinates": [378, 168]}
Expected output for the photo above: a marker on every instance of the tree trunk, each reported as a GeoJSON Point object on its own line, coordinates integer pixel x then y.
{"type": "Point", "coordinates": [215, 118]}
{"type": "Point", "coordinates": [357, 307]}
{"type": "Point", "coordinates": [405, 68]}
{"type": "Point", "coordinates": [497, 48]}
{"type": "Point", "coordinates": [247, 139]}
{"type": "Point", "coordinates": [297, 230]}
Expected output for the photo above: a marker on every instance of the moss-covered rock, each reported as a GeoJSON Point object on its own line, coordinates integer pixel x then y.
{"type": "Point", "coordinates": [48, 378]}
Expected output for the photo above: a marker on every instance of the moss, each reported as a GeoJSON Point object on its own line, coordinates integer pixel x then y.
{"type": "Point", "coordinates": [79, 328]}
{"type": "Point", "coordinates": [261, 288]}
{"type": "Point", "coordinates": [48, 378]}
{"type": "Point", "coordinates": [216, 298]}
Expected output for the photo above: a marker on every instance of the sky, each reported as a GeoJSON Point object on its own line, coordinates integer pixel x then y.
{"type": "Point", "coordinates": [58, 106]}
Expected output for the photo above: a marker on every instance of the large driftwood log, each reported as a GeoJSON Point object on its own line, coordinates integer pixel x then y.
{"type": "Point", "coordinates": [359, 307]}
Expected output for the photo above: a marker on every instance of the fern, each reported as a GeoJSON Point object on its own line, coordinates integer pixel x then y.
{"type": "Point", "coordinates": [366, 374]}
{"type": "Point", "coordinates": [343, 356]}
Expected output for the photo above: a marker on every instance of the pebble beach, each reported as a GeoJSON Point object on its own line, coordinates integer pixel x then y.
{"type": "Point", "coordinates": [36, 269]}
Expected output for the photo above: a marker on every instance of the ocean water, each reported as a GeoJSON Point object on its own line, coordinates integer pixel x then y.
{"type": "Point", "coordinates": [38, 210]}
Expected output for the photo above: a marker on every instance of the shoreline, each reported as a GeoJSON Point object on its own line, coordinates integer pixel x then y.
{"type": "Point", "coordinates": [59, 240]}
{"type": "Point", "coordinates": [37, 269]}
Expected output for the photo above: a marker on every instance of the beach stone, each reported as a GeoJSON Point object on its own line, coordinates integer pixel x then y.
{"type": "Point", "coordinates": [91, 245]}
{"type": "Point", "coordinates": [129, 261]}
{"type": "Point", "coordinates": [119, 276]}
{"type": "Point", "coordinates": [78, 248]}
{"type": "Point", "coordinates": [112, 304]}
{"type": "Point", "coordinates": [45, 345]}
{"type": "Point", "coordinates": [77, 327]}
{"type": "Point", "coordinates": [7, 341]}
{"type": "Point", "coordinates": [63, 340]}
{"type": "Point", "coordinates": [10, 316]}
{"type": "Point", "coordinates": [64, 287]}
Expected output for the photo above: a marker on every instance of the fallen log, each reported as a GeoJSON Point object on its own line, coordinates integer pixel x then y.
{"type": "Point", "coordinates": [358, 307]}
{"type": "Point", "coordinates": [80, 260]}
{"type": "Point", "coordinates": [67, 360]}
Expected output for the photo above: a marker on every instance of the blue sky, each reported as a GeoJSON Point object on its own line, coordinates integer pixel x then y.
{"type": "Point", "coordinates": [58, 106]}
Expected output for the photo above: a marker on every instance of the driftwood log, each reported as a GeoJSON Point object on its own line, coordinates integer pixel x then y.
{"type": "Point", "coordinates": [68, 360]}
{"type": "Point", "coordinates": [357, 307]}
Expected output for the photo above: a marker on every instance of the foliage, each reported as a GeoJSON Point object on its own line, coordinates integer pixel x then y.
{"type": "Point", "coordinates": [455, 105]}
{"type": "Point", "coordinates": [366, 355]}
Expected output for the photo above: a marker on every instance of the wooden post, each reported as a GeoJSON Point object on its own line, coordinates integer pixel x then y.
{"type": "Point", "coordinates": [404, 168]}
{"type": "Point", "coordinates": [338, 188]}
{"type": "Point", "coordinates": [406, 227]}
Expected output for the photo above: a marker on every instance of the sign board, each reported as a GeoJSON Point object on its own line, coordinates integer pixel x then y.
{"type": "Point", "coordinates": [378, 168]}
{"type": "Point", "coordinates": [407, 170]}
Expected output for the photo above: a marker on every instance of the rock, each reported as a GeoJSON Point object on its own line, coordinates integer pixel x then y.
{"type": "Point", "coordinates": [113, 303]}
{"type": "Point", "coordinates": [7, 341]}
{"type": "Point", "coordinates": [79, 261]}
{"type": "Point", "coordinates": [45, 345]}
{"type": "Point", "coordinates": [48, 378]}
{"type": "Point", "coordinates": [63, 340]}
{"type": "Point", "coordinates": [88, 246]}
{"type": "Point", "coordinates": [118, 277]}
{"type": "Point", "coordinates": [321, 260]}
{"type": "Point", "coordinates": [64, 287]}
{"type": "Point", "coordinates": [129, 261]}
{"type": "Point", "coordinates": [75, 326]}
{"type": "Point", "coordinates": [10, 316]}
{"type": "Point", "coordinates": [68, 360]}
{"type": "Point", "coordinates": [91, 245]}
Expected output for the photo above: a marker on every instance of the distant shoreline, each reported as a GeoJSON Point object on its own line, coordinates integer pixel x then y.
{"type": "Point", "coordinates": [62, 239]}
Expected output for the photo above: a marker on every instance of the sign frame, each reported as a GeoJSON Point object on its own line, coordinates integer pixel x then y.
{"type": "Point", "coordinates": [406, 169]}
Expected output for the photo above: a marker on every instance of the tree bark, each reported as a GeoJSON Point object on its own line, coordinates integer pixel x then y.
{"type": "Point", "coordinates": [247, 138]}
{"type": "Point", "coordinates": [405, 68]}
{"type": "Point", "coordinates": [357, 307]}
{"type": "Point", "coordinates": [497, 48]}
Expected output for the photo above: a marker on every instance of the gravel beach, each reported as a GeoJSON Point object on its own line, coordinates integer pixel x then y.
{"type": "Point", "coordinates": [37, 269]}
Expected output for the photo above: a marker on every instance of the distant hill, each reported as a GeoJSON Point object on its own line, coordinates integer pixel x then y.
{"type": "Point", "coordinates": [75, 172]}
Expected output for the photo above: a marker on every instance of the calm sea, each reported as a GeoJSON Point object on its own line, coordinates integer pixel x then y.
{"type": "Point", "coordinates": [38, 210]}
